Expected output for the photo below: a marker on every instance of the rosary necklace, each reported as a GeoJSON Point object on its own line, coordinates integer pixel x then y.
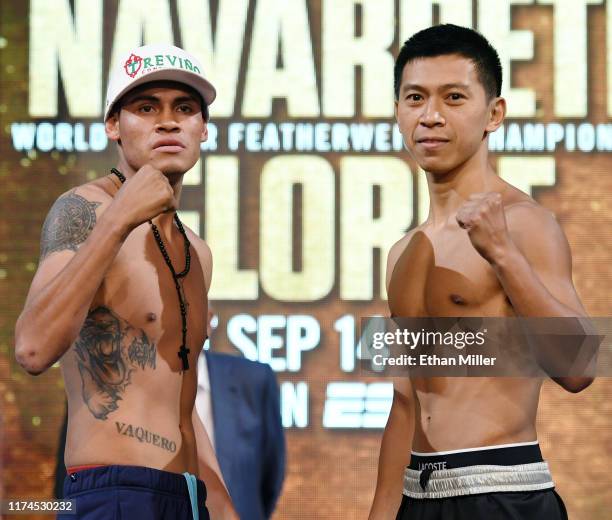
{"type": "Point", "coordinates": [183, 350]}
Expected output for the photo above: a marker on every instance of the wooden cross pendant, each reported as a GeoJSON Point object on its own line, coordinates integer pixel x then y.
{"type": "Point", "coordinates": [182, 353]}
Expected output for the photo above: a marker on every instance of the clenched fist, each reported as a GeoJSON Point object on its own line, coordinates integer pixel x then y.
{"type": "Point", "coordinates": [482, 216]}
{"type": "Point", "coordinates": [143, 196]}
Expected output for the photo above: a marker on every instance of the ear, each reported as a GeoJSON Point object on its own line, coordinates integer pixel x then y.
{"type": "Point", "coordinates": [497, 114]}
{"type": "Point", "coordinates": [204, 135]}
{"type": "Point", "coordinates": [111, 125]}
{"type": "Point", "coordinates": [395, 103]}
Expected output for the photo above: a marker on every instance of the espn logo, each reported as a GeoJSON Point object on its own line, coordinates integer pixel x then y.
{"type": "Point", "coordinates": [357, 405]}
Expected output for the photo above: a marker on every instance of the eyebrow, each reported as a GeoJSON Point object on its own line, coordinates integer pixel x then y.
{"type": "Point", "coordinates": [446, 86]}
{"type": "Point", "coordinates": [155, 99]}
{"type": "Point", "coordinates": [188, 97]}
{"type": "Point", "coordinates": [140, 97]}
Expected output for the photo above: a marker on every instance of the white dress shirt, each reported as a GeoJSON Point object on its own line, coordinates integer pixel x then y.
{"type": "Point", "coordinates": [203, 401]}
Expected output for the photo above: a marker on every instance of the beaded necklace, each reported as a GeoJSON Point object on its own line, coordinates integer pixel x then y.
{"type": "Point", "coordinates": [183, 350]}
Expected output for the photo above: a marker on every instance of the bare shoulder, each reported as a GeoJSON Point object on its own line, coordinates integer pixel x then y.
{"type": "Point", "coordinates": [198, 243]}
{"type": "Point", "coordinates": [103, 189]}
{"type": "Point", "coordinates": [523, 211]}
{"type": "Point", "coordinates": [204, 253]}
{"type": "Point", "coordinates": [94, 195]}
{"type": "Point", "coordinates": [398, 248]}
{"type": "Point", "coordinates": [73, 216]}
{"type": "Point", "coordinates": [529, 220]}
{"type": "Point", "coordinates": [539, 236]}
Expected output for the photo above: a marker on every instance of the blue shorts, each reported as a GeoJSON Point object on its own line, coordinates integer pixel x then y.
{"type": "Point", "coordinates": [131, 492]}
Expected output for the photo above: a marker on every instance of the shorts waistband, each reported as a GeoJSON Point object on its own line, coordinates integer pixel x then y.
{"type": "Point", "coordinates": [132, 476]}
{"type": "Point", "coordinates": [501, 455]}
{"type": "Point", "coordinates": [73, 469]}
{"type": "Point", "coordinates": [490, 469]}
{"type": "Point", "coordinates": [473, 480]}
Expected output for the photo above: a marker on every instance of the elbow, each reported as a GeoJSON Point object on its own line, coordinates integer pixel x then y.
{"type": "Point", "coordinates": [28, 354]}
{"type": "Point", "coordinates": [575, 384]}
{"type": "Point", "coordinates": [29, 360]}
{"type": "Point", "coordinates": [581, 385]}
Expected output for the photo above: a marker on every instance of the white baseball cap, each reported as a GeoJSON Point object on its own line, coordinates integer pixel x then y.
{"type": "Point", "coordinates": [156, 62]}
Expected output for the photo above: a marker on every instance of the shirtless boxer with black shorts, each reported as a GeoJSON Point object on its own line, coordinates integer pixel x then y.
{"type": "Point", "coordinates": [486, 249]}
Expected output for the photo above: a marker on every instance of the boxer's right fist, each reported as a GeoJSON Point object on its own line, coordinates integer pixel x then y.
{"type": "Point", "coordinates": [143, 196]}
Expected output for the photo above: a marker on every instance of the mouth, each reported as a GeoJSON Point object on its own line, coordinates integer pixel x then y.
{"type": "Point", "coordinates": [169, 146]}
{"type": "Point", "coordinates": [431, 143]}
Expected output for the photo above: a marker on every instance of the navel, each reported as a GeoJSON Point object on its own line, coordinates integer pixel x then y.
{"type": "Point", "coordinates": [457, 300]}
{"type": "Point", "coordinates": [151, 316]}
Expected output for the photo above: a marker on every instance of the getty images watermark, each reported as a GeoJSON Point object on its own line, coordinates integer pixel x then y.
{"type": "Point", "coordinates": [415, 341]}
{"type": "Point", "coordinates": [483, 347]}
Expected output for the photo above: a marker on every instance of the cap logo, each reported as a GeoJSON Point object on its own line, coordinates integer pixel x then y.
{"type": "Point", "coordinates": [132, 65]}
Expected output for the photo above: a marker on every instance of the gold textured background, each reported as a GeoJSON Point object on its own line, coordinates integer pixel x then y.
{"type": "Point", "coordinates": [330, 474]}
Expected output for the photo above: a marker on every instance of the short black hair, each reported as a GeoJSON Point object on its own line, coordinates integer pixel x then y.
{"type": "Point", "coordinates": [444, 39]}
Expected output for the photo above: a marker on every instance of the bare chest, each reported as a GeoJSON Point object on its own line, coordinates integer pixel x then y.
{"type": "Point", "coordinates": [141, 290]}
{"type": "Point", "coordinates": [443, 275]}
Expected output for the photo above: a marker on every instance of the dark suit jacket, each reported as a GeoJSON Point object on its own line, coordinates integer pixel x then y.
{"type": "Point", "coordinates": [249, 436]}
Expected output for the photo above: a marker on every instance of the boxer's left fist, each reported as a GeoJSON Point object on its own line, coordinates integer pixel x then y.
{"type": "Point", "coordinates": [482, 216]}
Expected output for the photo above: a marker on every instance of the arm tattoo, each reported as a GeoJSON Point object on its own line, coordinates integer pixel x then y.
{"type": "Point", "coordinates": [108, 350]}
{"type": "Point", "coordinates": [68, 224]}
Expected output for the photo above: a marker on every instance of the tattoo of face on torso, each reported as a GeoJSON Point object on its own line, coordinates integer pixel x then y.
{"type": "Point", "coordinates": [68, 224]}
{"type": "Point", "coordinates": [108, 350]}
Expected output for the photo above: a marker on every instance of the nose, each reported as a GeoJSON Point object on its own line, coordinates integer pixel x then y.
{"type": "Point", "coordinates": [431, 116]}
{"type": "Point", "coordinates": [167, 121]}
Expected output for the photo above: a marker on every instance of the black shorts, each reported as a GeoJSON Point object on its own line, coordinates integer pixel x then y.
{"type": "Point", "coordinates": [509, 482]}
{"type": "Point", "coordinates": [527, 505]}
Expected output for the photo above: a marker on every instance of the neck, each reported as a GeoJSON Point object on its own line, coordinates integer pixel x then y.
{"type": "Point", "coordinates": [448, 191]}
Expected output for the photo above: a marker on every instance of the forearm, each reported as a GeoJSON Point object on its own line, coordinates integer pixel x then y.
{"type": "Point", "coordinates": [531, 258]}
{"type": "Point", "coordinates": [218, 500]}
{"type": "Point", "coordinates": [527, 293]}
{"type": "Point", "coordinates": [54, 314]}
{"type": "Point", "coordinates": [531, 299]}
{"type": "Point", "coordinates": [393, 459]}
